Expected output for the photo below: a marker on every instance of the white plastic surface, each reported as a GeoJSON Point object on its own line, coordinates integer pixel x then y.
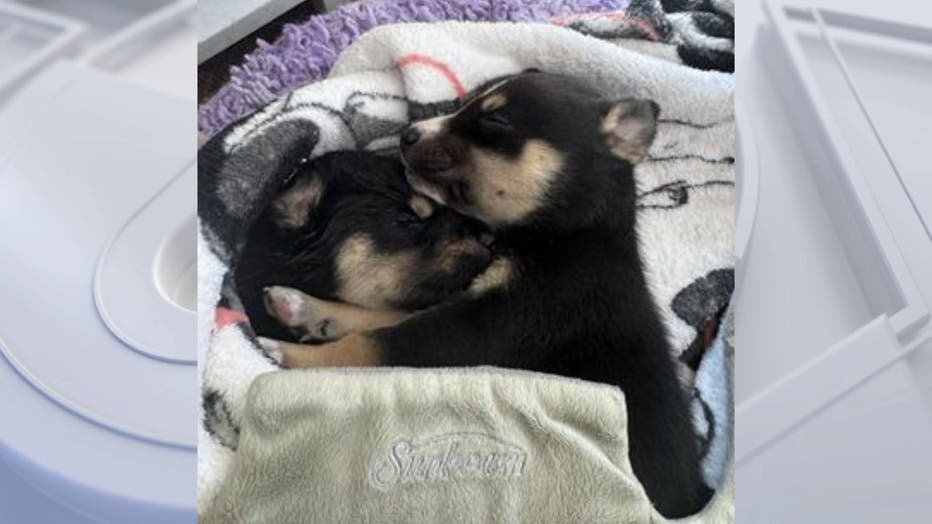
{"type": "Point", "coordinates": [97, 330]}
{"type": "Point", "coordinates": [150, 42]}
{"type": "Point", "coordinates": [748, 191]}
{"type": "Point", "coordinates": [834, 415]}
{"type": "Point", "coordinates": [69, 207]}
{"type": "Point", "coordinates": [30, 38]}
{"type": "Point", "coordinates": [102, 18]}
{"type": "Point", "coordinates": [154, 315]}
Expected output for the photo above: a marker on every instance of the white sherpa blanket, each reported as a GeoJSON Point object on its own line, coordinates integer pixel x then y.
{"type": "Point", "coordinates": [395, 74]}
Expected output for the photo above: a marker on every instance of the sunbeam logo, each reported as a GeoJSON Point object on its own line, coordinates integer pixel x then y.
{"type": "Point", "coordinates": [447, 457]}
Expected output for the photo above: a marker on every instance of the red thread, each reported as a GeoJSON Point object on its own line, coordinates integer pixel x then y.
{"type": "Point", "coordinates": [615, 16]}
{"type": "Point", "coordinates": [442, 68]}
{"type": "Point", "coordinates": [224, 317]}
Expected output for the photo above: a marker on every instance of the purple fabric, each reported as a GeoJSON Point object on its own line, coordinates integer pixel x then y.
{"type": "Point", "coordinates": [305, 53]}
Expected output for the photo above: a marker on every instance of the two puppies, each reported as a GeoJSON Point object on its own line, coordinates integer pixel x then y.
{"type": "Point", "coordinates": [547, 164]}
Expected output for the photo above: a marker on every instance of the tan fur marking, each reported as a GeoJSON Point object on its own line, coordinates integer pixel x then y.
{"type": "Point", "coordinates": [506, 191]}
{"type": "Point", "coordinates": [293, 206]}
{"type": "Point", "coordinates": [325, 318]}
{"type": "Point", "coordinates": [355, 318]}
{"type": "Point", "coordinates": [493, 102]}
{"type": "Point", "coordinates": [610, 120]}
{"type": "Point", "coordinates": [426, 188]}
{"type": "Point", "coordinates": [355, 350]}
{"type": "Point", "coordinates": [449, 253]}
{"type": "Point", "coordinates": [369, 278]}
{"type": "Point", "coordinates": [432, 126]}
{"type": "Point", "coordinates": [497, 275]}
{"type": "Point", "coordinates": [488, 91]}
{"type": "Point", "coordinates": [422, 206]}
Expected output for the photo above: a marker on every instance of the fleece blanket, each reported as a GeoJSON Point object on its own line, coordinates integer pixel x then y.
{"type": "Point", "coordinates": [454, 445]}
{"type": "Point", "coordinates": [393, 75]}
{"type": "Point", "coordinates": [702, 32]}
{"type": "Point", "coordinates": [449, 445]}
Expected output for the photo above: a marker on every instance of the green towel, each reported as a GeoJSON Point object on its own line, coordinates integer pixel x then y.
{"type": "Point", "coordinates": [435, 446]}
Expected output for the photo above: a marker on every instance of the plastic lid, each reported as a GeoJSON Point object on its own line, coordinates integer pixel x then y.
{"type": "Point", "coordinates": [99, 184]}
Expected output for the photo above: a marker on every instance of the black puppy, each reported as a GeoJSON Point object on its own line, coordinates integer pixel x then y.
{"type": "Point", "coordinates": [547, 162]}
{"type": "Point", "coordinates": [349, 228]}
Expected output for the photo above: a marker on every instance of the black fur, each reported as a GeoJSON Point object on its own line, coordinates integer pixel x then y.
{"type": "Point", "coordinates": [578, 304]}
{"type": "Point", "coordinates": [365, 193]}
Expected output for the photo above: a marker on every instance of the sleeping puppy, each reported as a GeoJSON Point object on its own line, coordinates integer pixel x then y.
{"type": "Point", "coordinates": [349, 228]}
{"type": "Point", "coordinates": [548, 163]}
{"type": "Point", "coordinates": [313, 319]}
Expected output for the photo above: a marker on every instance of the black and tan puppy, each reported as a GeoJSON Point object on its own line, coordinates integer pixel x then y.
{"type": "Point", "coordinates": [349, 228]}
{"type": "Point", "coordinates": [547, 162]}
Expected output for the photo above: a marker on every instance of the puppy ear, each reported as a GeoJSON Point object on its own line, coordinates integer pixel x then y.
{"type": "Point", "coordinates": [293, 208]}
{"type": "Point", "coordinates": [630, 126]}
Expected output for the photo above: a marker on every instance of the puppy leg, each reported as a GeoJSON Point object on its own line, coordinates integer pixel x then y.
{"type": "Point", "coordinates": [354, 350]}
{"type": "Point", "coordinates": [323, 320]}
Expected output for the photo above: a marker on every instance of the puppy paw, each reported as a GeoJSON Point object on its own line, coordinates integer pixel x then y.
{"type": "Point", "coordinates": [304, 314]}
{"type": "Point", "coordinates": [286, 305]}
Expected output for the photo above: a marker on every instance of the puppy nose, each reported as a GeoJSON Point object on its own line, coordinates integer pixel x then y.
{"type": "Point", "coordinates": [410, 136]}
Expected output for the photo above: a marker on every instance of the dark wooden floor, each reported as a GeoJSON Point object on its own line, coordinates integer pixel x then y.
{"type": "Point", "coordinates": [215, 72]}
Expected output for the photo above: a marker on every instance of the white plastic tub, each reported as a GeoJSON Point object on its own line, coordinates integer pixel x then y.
{"type": "Point", "coordinates": [97, 206]}
{"type": "Point", "coordinates": [833, 417]}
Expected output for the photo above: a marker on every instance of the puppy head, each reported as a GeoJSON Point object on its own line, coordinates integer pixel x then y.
{"type": "Point", "coordinates": [357, 232]}
{"type": "Point", "coordinates": [533, 149]}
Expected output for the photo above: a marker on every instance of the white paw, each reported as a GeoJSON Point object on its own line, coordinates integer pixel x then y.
{"type": "Point", "coordinates": [287, 305]}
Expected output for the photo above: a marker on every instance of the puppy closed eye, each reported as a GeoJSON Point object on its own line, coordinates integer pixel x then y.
{"type": "Point", "coordinates": [495, 122]}
{"type": "Point", "coordinates": [421, 206]}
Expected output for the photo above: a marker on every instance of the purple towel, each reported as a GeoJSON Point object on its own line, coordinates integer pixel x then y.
{"type": "Point", "coordinates": [305, 53]}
